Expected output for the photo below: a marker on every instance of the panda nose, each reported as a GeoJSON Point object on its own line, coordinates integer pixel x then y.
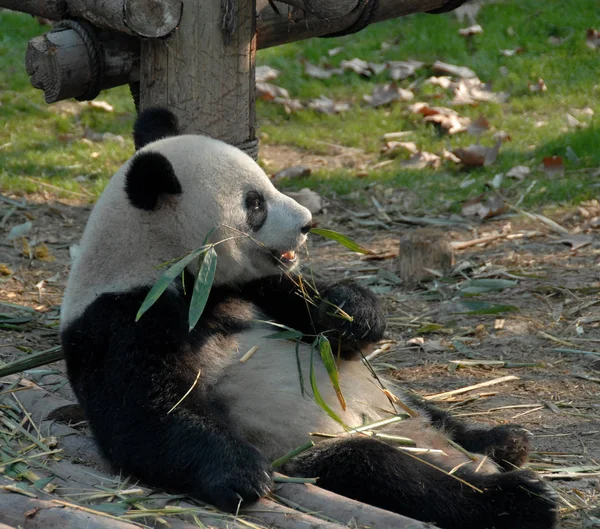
{"type": "Point", "coordinates": [306, 229]}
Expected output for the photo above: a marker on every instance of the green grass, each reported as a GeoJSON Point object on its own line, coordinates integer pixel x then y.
{"type": "Point", "coordinates": [36, 143]}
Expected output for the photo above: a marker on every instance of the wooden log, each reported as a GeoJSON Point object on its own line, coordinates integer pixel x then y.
{"type": "Point", "coordinates": [349, 512]}
{"type": "Point", "coordinates": [285, 24]}
{"type": "Point", "coordinates": [51, 9]}
{"type": "Point", "coordinates": [206, 82]}
{"type": "Point", "coordinates": [63, 66]}
{"type": "Point", "coordinates": [21, 511]}
{"type": "Point", "coordinates": [327, 8]}
{"type": "Point", "coordinates": [58, 65]}
{"type": "Point", "coordinates": [41, 403]}
{"type": "Point", "coordinates": [143, 18]}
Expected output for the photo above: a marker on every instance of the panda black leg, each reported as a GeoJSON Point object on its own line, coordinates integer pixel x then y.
{"type": "Point", "coordinates": [373, 472]}
{"type": "Point", "coordinates": [507, 445]}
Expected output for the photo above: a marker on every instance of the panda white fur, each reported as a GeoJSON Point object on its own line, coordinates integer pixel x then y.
{"type": "Point", "coordinates": [217, 443]}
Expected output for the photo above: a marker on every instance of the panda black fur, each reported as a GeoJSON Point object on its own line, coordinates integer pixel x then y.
{"type": "Point", "coordinates": [218, 441]}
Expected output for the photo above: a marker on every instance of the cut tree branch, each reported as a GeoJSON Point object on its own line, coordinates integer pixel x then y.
{"type": "Point", "coordinates": [290, 23]}
{"type": "Point", "coordinates": [143, 18]}
{"type": "Point", "coordinates": [59, 63]}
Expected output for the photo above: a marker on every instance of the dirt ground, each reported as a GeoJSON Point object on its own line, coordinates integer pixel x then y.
{"type": "Point", "coordinates": [548, 338]}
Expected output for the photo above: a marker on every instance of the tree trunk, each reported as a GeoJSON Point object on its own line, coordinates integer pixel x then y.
{"type": "Point", "coordinates": [207, 82]}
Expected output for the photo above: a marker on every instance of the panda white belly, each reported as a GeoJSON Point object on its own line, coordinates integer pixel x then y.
{"type": "Point", "coordinates": [265, 400]}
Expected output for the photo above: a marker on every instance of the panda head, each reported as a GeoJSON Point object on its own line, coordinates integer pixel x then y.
{"type": "Point", "coordinates": [193, 186]}
{"type": "Point", "coordinates": [164, 202]}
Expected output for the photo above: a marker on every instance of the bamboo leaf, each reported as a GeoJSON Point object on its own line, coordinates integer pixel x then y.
{"type": "Point", "coordinates": [42, 482]}
{"type": "Point", "coordinates": [166, 279]}
{"type": "Point", "coordinates": [318, 398]}
{"type": "Point", "coordinates": [342, 239]}
{"type": "Point", "coordinates": [54, 354]}
{"type": "Point", "coordinates": [202, 286]}
{"type": "Point", "coordinates": [481, 286]}
{"type": "Point", "coordinates": [482, 307]}
{"type": "Point", "coordinates": [429, 328]}
{"type": "Point", "coordinates": [329, 362]}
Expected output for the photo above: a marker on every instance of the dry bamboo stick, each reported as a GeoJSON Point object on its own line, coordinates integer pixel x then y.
{"type": "Point", "coordinates": [446, 394]}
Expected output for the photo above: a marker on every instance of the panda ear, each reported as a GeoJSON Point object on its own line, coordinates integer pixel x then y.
{"type": "Point", "coordinates": [154, 124]}
{"type": "Point", "coordinates": [149, 177]}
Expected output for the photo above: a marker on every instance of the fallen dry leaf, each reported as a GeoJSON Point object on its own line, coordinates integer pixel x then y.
{"type": "Point", "coordinates": [446, 118]}
{"type": "Point", "coordinates": [447, 155]}
{"type": "Point", "coordinates": [70, 108]}
{"type": "Point", "coordinates": [469, 91]}
{"type": "Point", "coordinates": [470, 31]}
{"type": "Point", "coordinates": [553, 165]}
{"type": "Point", "coordinates": [391, 146]}
{"type": "Point", "coordinates": [451, 123]}
{"type": "Point", "coordinates": [510, 53]}
{"type": "Point", "coordinates": [421, 160]}
{"type": "Point", "coordinates": [478, 155]}
{"type": "Point", "coordinates": [335, 51]}
{"type": "Point", "coordinates": [572, 121]}
{"type": "Point", "coordinates": [576, 241]}
{"type": "Point", "coordinates": [386, 94]}
{"type": "Point", "coordinates": [400, 70]}
{"type": "Point", "coordinates": [327, 106]}
{"type": "Point", "coordinates": [443, 81]}
{"type": "Point", "coordinates": [295, 171]}
{"type": "Point", "coordinates": [479, 126]}
{"type": "Point", "coordinates": [269, 92]}
{"type": "Point", "coordinates": [592, 39]}
{"type": "Point", "coordinates": [357, 66]}
{"type": "Point", "coordinates": [100, 105]}
{"type": "Point", "coordinates": [538, 86]}
{"type": "Point", "coordinates": [451, 69]}
{"type": "Point", "coordinates": [320, 73]}
{"type": "Point", "coordinates": [519, 172]}
{"type": "Point", "coordinates": [42, 252]}
{"type": "Point", "coordinates": [377, 68]}
{"type": "Point", "coordinates": [289, 105]}
{"type": "Point", "coordinates": [501, 135]}
{"type": "Point", "coordinates": [265, 73]}
{"type": "Point", "coordinates": [484, 207]}
{"type": "Point", "coordinates": [308, 198]}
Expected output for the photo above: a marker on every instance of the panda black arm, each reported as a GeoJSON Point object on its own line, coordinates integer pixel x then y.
{"type": "Point", "coordinates": [145, 389]}
{"type": "Point", "coordinates": [282, 301]}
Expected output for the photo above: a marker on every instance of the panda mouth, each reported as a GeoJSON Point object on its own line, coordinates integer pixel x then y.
{"type": "Point", "coordinates": [287, 258]}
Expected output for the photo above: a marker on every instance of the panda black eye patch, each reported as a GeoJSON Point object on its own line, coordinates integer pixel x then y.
{"type": "Point", "coordinates": [256, 210]}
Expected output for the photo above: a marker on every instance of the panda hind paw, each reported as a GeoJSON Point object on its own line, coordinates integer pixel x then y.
{"type": "Point", "coordinates": [531, 502]}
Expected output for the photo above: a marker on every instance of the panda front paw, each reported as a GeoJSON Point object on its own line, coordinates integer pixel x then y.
{"type": "Point", "coordinates": [350, 316]}
{"type": "Point", "coordinates": [240, 482]}
{"type": "Point", "coordinates": [510, 446]}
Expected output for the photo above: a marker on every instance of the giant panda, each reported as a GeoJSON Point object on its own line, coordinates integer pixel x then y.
{"type": "Point", "coordinates": [178, 409]}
